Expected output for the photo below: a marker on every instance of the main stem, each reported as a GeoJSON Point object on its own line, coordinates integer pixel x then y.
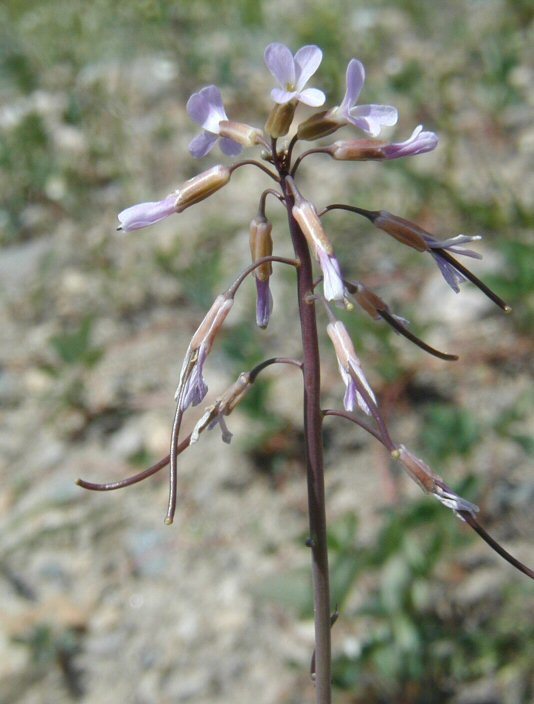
{"type": "Point", "coordinates": [314, 457]}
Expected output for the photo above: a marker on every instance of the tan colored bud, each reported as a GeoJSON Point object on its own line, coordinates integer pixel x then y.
{"type": "Point", "coordinates": [343, 346]}
{"type": "Point", "coordinates": [213, 320]}
{"type": "Point", "coordinates": [234, 395]}
{"type": "Point", "coordinates": [305, 214]}
{"type": "Point", "coordinates": [357, 150]}
{"type": "Point", "coordinates": [316, 126]}
{"type": "Point", "coordinates": [241, 133]}
{"type": "Point", "coordinates": [280, 119]}
{"type": "Point", "coordinates": [370, 302]}
{"type": "Point", "coordinates": [223, 406]}
{"type": "Point", "coordinates": [201, 186]}
{"type": "Point", "coordinates": [402, 230]}
{"type": "Point", "coordinates": [417, 469]}
{"type": "Point", "coordinates": [261, 245]}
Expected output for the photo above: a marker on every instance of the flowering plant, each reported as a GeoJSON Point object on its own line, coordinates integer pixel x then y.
{"type": "Point", "coordinates": [331, 288]}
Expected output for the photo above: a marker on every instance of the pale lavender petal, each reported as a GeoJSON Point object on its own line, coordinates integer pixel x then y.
{"type": "Point", "coordinates": [455, 241]}
{"type": "Point", "coordinates": [264, 303]}
{"type": "Point", "coordinates": [144, 214]}
{"type": "Point", "coordinates": [371, 118]}
{"type": "Point", "coordinates": [280, 63]}
{"type": "Point", "coordinates": [229, 147]}
{"type": "Point", "coordinates": [418, 143]}
{"type": "Point", "coordinates": [355, 78]}
{"type": "Point", "coordinates": [196, 388]}
{"type": "Point", "coordinates": [282, 96]}
{"type": "Point", "coordinates": [307, 61]}
{"type": "Point", "coordinates": [349, 399]}
{"type": "Point", "coordinates": [226, 434]}
{"type": "Point", "coordinates": [206, 108]}
{"type": "Point", "coordinates": [356, 368]}
{"type": "Point", "coordinates": [312, 97]}
{"type": "Point", "coordinates": [202, 144]}
{"type": "Point", "coordinates": [451, 500]}
{"type": "Point", "coordinates": [334, 289]}
{"type": "Point", "coordinates": [451, 275]}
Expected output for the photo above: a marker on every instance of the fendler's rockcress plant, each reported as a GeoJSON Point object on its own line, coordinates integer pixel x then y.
{"type": "Point", "coordinates": [310, 242]}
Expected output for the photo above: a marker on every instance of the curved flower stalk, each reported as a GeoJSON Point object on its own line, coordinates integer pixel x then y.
{"type": "Point", "coordinates": [207, 110]}
{"type": "Point", "coordinates": [293, 72]}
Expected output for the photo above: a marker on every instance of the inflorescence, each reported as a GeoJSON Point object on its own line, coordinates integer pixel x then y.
{"type": "Point", "coordinates": [360, 404]}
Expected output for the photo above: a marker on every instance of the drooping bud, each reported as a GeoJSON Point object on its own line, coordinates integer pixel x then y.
{"type": "Point", "coordinates": [223, 406]}
{"type": "Point", "coordinates": [350, 369]}
{"type": "Point", "coordinates": [370, 302]}
{"type": "Point", "coordinates": [305, 214]}
{"type": "Point", "coordinates": [432, 483]}
{"type": "Point", "coordinates": [280, 119]}
{"type": "Point", "coordinates": [202, 186]}
{"type": "Point", "coordinates": [192, 388]}
{"type": "Point", "coordinates": [261, 245]}
{"type": "Point", "coordinates": [402, 230]}
{"type": "Point", "coordinates": [317, 126]}
{"type": "Point", "coordinates": [243, 134]}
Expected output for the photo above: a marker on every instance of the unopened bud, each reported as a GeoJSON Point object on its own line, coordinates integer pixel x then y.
{"type": "Point", "coordinates": [280, 119]}
{"type": "Point", "coordinates": [213, 320]}
{"type": "Point", "coordinates": [201, 186]}
{"type": "Point", "coordinates": [402, 230]}
{"type": "Point", "coordinates": [316, 126]}
{"type": "Point", "coordinates": [357, 150]}
{"type": "Point", "coordinates": [305, 214]}
{"type": "Point", "coordinates": [261, 245]}
{"type": "Point", "coordinates": [417, 469]}
{"type": "Point", "coordinates": [370, 302]}
{"type": "Point", "coordinates": [241, 133]}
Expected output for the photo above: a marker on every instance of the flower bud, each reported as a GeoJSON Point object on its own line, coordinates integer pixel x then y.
{"type": "Point", "coordinates": [280, 119]}
{"type": "Point", "coordinates": [417, 469]}
{"type": "Point", "coordinates": [318, 125]}
{"type": "Point", "coordinates": [241, 133]}
{"type": "Point", "coordinates": [213, 320]}
{"type": "Point", "coordinates": [402, 230]}
{"type": "Point", "coordinates": [305, 214]}
{"type": "Point", "coordinates": [261, 245]}
{"type": "Point", "coordinates": [202, 186]}
{"type": "Point", "coordinates": [223, 406]}
{"type": "Point", "coordinates": [357, 150]}
{"type": "Point", "coordinates": [370, 302]}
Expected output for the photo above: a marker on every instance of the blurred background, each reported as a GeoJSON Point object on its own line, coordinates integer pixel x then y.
{"type": "Point", "coordinates": [100, 601]}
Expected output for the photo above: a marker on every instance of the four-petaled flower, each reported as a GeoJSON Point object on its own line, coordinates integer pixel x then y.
{"type": "Point", "coordinates": [369, 118]}
{"type": "Point", "coordinates": [207, 110]}
{"type": "Point", "coordinates": [293, 72]}
{"type": "Point", "coordinates": [449, 272]}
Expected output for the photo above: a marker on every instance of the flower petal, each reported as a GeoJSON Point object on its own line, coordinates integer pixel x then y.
{"type": "Point", "coordinates": [371, 118]}
{"type": "Point", "coordinates": [312, 96]}
{"type": "Point", "coordinates": [451, 275]}
{"type": "Point", "coordinates": [206, 108]}
{"type": "Point", "coordinates": [355, 78]}
{"type": "Point", "coordinates": [333, 287]}
{"type": "Point", "coordinates": [229, 147]}
{"type": "Point", "coordinates": [281, 96]}
{"type": "Point", "coordinates": [144, 214]}
{"type": "Point", "coordinates": [279, 61]}
{"type": "Point", "coordinates": [264, 303]}
{"type": "Point", "coordinates": [307, 61]}
{"type": "Point", "coordinates": [202, 144]}
{"type": "Point", "coordinates": [418, 143]}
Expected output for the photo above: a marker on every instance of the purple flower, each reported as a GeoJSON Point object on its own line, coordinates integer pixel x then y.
{"type": "Point", "coordinates": [207, 110]}
{"type": "Point", "coordinates": [369, 118]}
{"type": "Point", "coordinates": [264, 303]}
{"type": "Point", "coordinates": [418, 143]}
{"type": "Point", "coordinates": [449, 272]}
{"type": "Point", "coordinates": [292, 73]}
{"type": "Point", "coordinates": [145, 214]}
{"type": "Point", "coordinates": [349, 368]}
